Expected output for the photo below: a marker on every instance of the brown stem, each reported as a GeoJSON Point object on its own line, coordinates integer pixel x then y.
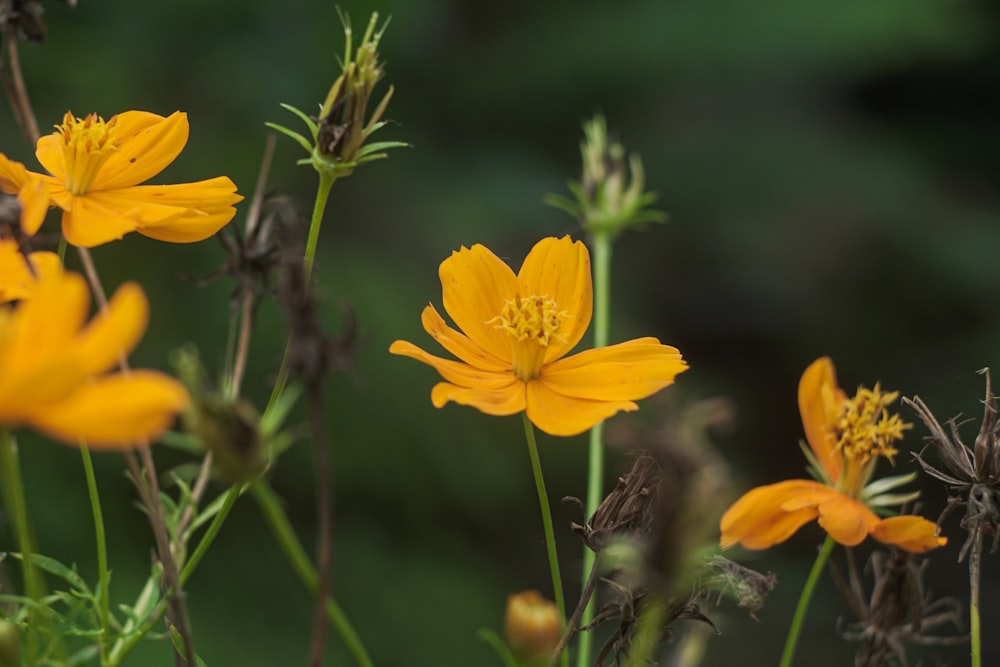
{"type": "Point", "coordinates": [571, 624]}
{"type": "Point", "coordinates": [17, 93]}
{"type": "Point", "coordinates": [324, 529]}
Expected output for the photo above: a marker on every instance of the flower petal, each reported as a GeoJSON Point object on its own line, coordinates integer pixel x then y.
{"type": "Point", "coordinates": [198, 209]}
{"type": "Point", "coordinates": [17, 280]}
{"type": "Point", "coordinates": [456, 372]}
{"type": "Point", "coordinates": [13, 175]}
{"type": "Point", "coordinates": [848, 521]}
{"type": "Point", "coordinates": [502, 401]}
{"type": "Point", "coordinates": [558, 414]}
{"type": "Point", "coordinates": [761, 518]}
{"type": "Point", "coordinates": [147, 143]}
{"type": "Point", "coordinates": [33, 197]}
{"type": "Point", "coordinates": [50, 154]}
{"type": "Point", "coordinates": [910, 533]}
{"type": "Point", "coordinates": [560, 269]}
{"type": "Point", "coordinates": [90, 223]}
{"type": "Point", "coordinates": [459, 344]}
{"type": "Point", "coordinates": [820, 402]}
{"type": "Point", "coordinates": [114, 412]}
{"type": "Point", "coordinates": [624, 372]}
{"type": "Point", "coordinates": [475, 285]}
{"type": "Point", "coordinates": [115, 331]}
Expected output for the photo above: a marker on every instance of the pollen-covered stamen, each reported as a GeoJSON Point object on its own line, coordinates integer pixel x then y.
{"type": "Point", "coordinates": [865, 429]}
{"type": "Point", "coordinates": [534, 322]}
{"type": "Point", "coordinates": [87, 144]}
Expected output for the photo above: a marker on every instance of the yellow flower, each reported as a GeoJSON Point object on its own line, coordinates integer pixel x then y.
{"type": "Point", "coordinates": [96, 168]}
{"type": "Point", "coordinates": [20, 272]}
{"type": "Point", "coordinates": [517, 331]}
{"type": "Point", "coordinates": [846, 437]}
{"type": "Point", "coordinates": [53, 368]}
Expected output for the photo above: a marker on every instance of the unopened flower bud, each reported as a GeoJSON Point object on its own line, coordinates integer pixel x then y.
{"type": "Point", "coordinates": [10, 644]}
{"type": "Point", "coordinates": [531, 627]}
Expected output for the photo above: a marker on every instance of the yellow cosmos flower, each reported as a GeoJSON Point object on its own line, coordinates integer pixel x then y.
{"type": "Point", "coordinates": [846, 437]}
{"type": "Point", "coordinates": [517, 332]}
{"type": "Point", "coordinates": [19, 273]}
{"type": "Point", "coordinates": [95, 169]}
{"type": "Point", "coordinates": [53, 368]}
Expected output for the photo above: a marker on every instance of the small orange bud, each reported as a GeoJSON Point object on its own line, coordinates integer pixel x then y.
{"type": "Point", "coordinates": [531, 626]}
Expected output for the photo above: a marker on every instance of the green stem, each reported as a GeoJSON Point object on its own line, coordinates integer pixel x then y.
{"type": "Point", "coordinates": [550, 537]}
{"type": "Point", "coordinates": [975, 638]}
{"type": "Point", "coordinates": [210, 533]}
{"type": "Point", "coordinates": [601, 245]}
{"type": "Point", "coordinates": [800, 610]}
{"type": "Point", "coordinates": [283, 532]}
{"type": "Point", "coordinates": [17, 507]}
{"type": "Point", "coordinates": [103, 574]}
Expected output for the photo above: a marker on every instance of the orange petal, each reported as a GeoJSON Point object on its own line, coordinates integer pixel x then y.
{"type": "Point", "coordinates": [34, 200]}
{"type": "Point", "coordinates": [848, 521]}
{"type": "Point", "coordinates": [13, 175]}
{"type": "Point", "coordinates": [820, 401]}
{"type": "Point", "coordinates": [507, 400]}
{"type": "Point", "coordinates": [557, 414]}
{"type": "Point", "coordinates": [761, 518]}
{"type": "Point", "coordinates": [475, 285]}
{"type": "Point", "coordinates": [560, 269]}
{"type": "Point", "coordinates": [50, 154]}
{"type": "Point", "coordinates": [459, 344]}
{"type": "Point", "coordinates": [910, 533]}
{"type": "Point", "coordinates": [17, 280]}
{"type": "Point", "coordinates": [147, 143]}
{"type": "Point", "coordinates": [203, 208]}
{"type": "Point", "coordinates": [624, 372]}
{"type": "Point", "coordinates": [115, 412]}
{"type": "Point", "coordinates": [455, 372]}
{"type": "Point", "coordinates": [115, 331]}
{"type": "Point", "coordinates": [89, 223]}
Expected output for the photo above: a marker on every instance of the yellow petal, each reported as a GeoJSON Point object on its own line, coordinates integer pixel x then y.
{"type": "Point", "coordinates": [507, 400]}
{"type": "Point", "coordinates": [459, 344]}
{"type": "Point", "coordinates": [624, 372]}
{"type": "Point", "coordinates": [560, 269]}
{"type": "Point", "coordinates": [455, 372]}
{"type": "Point", "coordinates": [17, 280]}
{"type": "Point", "coordinates": [848, 521]}
{"type": "Point", "coordinates": [13, 175]}
{"type": "Point", "coordinates": [202, 208]}
{"type": "Point", "coordinates": [820, 401]}
{"type": "Point", "coordinates": [475, 285]}
{"type": "Point", "coordinates": [761, 518]}
{"type": "Point", "coordinates": [115, 412]}
{"type": "Point", "coordinates": [34, 200]}
{"type": "Point", "coordinates": [557, 414]}
{"type": "Point", "coordinates": [910, 533]}
{"type": "Point", "coordinates": [115, 331]}
{"type": "Point", "coordinates": [50, 154]}
{"type": "Point", "coordinates": [147, 143]}
{"type": "Point", "coordinates": [90, 224]}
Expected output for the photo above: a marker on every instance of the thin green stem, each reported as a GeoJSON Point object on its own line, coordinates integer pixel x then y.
{"type": "Point", "coordinates": [103, 575]}
{"type": "Point", "coordinates": [283, 532]}
{"type": "Point", "coordinates": [975, 638]}
{"type": "Point", "coordinates": [550, 537]}
{"type": "Point", "coordinates": [14, 499]}
{"type": "Point", "coordinates": [210, 533]}
{"type": "Point", "coordinates": [601, 246]}
{"type": "Point", "coordinates": [800, 609]}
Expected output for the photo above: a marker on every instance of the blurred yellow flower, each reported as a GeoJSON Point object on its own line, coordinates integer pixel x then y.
{"type": "Point", "coordinates": [53, 368]}
{"type": "Point", "coordinates": [517, 331]}
{"type": "Point", "coordinates": [96, 167]}
{"type": "Point", "coordinates": [846, 437]}
{"type": "Point", "coordinates": [20, 272]}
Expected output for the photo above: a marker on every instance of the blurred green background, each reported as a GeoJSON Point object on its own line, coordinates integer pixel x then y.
{"type": "Point", "coordinates": [830, 169]}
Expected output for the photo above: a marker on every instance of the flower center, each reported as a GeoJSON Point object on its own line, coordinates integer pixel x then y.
{"type": "Point", "coordinates": [87, 144]}
{"type": "Point", "coordinates": [866, 430]}
{"type": "Point", "coordinates": [534, 322]}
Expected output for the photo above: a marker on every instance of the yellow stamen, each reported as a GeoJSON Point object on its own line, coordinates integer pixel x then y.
{"type": "Point", "coordinates": [866, 430]}
{"type": "Point", "coordinates": [534, 322]}
{"type": "Point", "coordinates": [87, 144]}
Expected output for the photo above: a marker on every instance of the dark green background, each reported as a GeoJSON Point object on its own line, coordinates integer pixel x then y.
{"type": "Point", "coordinates": [831, 172]}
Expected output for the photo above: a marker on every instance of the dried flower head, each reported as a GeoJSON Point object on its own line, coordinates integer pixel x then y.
{"type": "Point", "coordinates": [972, 474]}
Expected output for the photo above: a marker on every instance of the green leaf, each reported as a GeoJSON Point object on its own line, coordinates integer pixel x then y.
{"type": "Point", "coordinates": [498, 644]}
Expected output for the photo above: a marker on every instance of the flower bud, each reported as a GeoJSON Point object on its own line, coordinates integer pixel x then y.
{"type": "Point", "coordinates": [531, 627]}
{"type": "Point", "coordinates": [10, 644]}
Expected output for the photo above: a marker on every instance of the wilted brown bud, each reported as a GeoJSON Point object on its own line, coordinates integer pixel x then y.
{"type": "Point", "coordinates": [531, 627]}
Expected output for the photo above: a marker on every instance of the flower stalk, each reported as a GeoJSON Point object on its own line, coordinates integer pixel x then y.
{"type": "Point", "coordinates": [103, 574]}
{"type": "Point", "coordinates": [795, 629]}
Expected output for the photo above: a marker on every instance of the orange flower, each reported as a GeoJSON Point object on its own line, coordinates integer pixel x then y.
{"type": "Point", "coordinates": [96, 168]}
{"type": "Point", "coordinates": [517, 331]}
{"type": "Point", "coordinates": [19, 272]}
{"type": "Point", "coordinates": [846, 437]}
{"type": "Point", "coordinates": [53, 368]}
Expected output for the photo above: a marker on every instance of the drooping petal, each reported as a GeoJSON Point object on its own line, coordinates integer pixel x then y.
{"type": "Point", "coordinates": [114, 331]}
{"type": "Point", "coordinates": [502, 401]}
{"type": "Point", "coordinates": [624, 372]}
{"type": "Point", "coordinates": [846, 520]}
{"type": "Point", "coordinates": [117, 411]}
{"type": "Point", "coordinates": [456, 372]}
{"type": "Point", "coordinates": [820, 401]}
{"type": "Point", "coordinates": [910, 533]}
{"type": "Point", "coordinates": [560, 270]}
{"type": "Point", "coordinates": [558, 414]}
{"type": "Point", "coordinates": [17, 280]}
{"type": "Point", "coordinates": [13, 175]}
{"type": "Point", "coordinates": [459, 344]}
{"type": "Point", "coordinates": [147, 143]}
{"type": "Point", "coordinates": [34, 200]}
{"type": "Point", "coordinates": [88, 223]}
{"type": "Point", "coordinates": [475, 285]}
{"type": "Point", "coordinates": [762, 517]}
